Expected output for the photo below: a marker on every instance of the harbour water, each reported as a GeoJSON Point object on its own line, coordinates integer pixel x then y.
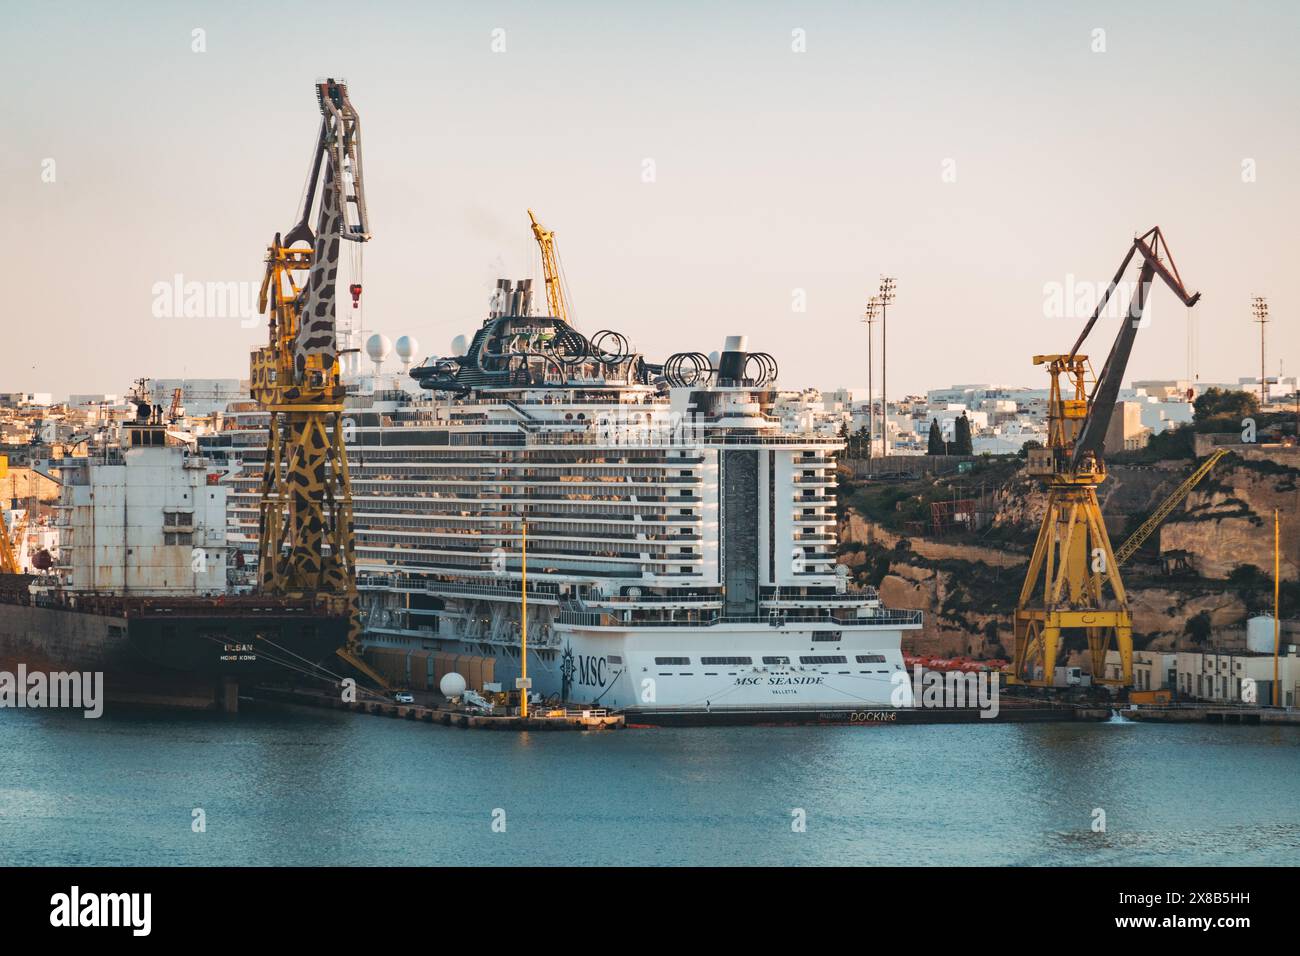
{"type": "Point", "coordinates": [295, 786]}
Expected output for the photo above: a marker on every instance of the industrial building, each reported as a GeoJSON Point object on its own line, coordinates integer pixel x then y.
{"type": "Point", "coordinates": [1240, 673]}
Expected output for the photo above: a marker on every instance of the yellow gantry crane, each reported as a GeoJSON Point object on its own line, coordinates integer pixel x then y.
{"type": "Point", "coordinates": [551, 270]}
{"type": "Point", "coordinates": [1073, 586]}
{"type": "Point", "coordinates": [306, 543]}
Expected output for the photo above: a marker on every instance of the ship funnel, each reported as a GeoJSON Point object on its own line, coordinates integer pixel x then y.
{"type": "Point", "coordinates": [731, 365]}
{"type": "Point", "coordinates": [500, 304]}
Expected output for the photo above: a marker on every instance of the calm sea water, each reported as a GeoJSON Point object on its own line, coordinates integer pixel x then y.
{"type": "Point", "coordinates": [296, 786]}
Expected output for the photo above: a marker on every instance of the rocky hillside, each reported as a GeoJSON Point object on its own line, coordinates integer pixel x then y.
{"type": "Point", "coordinates": [968, 584]}
{"type": "Point", "coordinates": [1228, 519]}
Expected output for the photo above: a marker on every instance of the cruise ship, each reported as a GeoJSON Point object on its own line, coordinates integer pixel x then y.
{"type": "Point", "coordinates": [680, 544]}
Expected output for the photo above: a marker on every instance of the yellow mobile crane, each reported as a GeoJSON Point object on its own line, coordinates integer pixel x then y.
{"type": "Point", "coordinates": [550, 269]}
{"type": "Point", "coordinates": [11, 550]}
{"type": "Point", "coordinates": [1072, 564]}
{"type": "Point", "coordinates": [1166, 507]}
{"type": "Point", "coordinates": [306, 545]}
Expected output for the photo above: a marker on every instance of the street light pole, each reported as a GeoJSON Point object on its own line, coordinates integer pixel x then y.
{"type": "Point", "coordinates": [886, 296]}
{"type": "Point", "coordinates": [1277, 609]}
{"type": "Point", "coordinates": [1259, 306]}
{"type": "Point", "coordinates": [873, 309]}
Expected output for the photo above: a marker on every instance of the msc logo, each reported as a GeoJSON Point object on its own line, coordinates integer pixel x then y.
{"type": "Point", "coordinates": [591, 671]}
{"type": "Point", "coordinates": [566, 672]}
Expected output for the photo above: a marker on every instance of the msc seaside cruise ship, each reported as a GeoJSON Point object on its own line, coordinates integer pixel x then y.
{"type": "Point", "coordinates": [680, 544]}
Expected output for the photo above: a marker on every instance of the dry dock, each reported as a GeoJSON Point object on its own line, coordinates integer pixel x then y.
{"type": "Point", "coordinates": [1009, 711]}
{"type": "Point", "coordinates": [1215, 714]}
{"type": "Point", "coordinates": [446, 716]}
{"type": "Point", "coordinates": [434, 710]}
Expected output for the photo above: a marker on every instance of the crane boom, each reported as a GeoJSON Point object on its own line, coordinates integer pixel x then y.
{"type": "Point", "coordinates": [1166, 507]}
{"type": "Point", "coordinates": [1153, 249]}
{"type": "Point", "coordinates": [306, 543]}
{"type": "Point", "coordinates": [550, 269]}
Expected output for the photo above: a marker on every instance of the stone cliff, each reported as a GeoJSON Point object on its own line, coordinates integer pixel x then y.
{"type": "Point", "coordinates": [968, 585]}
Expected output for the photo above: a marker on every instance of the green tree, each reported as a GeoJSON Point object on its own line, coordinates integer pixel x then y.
{"type": "Point", "coordinates": [962, 444]}
{"type": "Point", "coordinates": [858, 444]}
{"type": "Point", "coordinates": [992, 640]}
{"type": "Point", "coordinates": [1254, 586]}
{"type": "Point", "coordinates": [1029, 446]}
{"type": "Point", "coordinates": [1173, 443]}
{"type": "Point", "coordinates": [1197, 627]}
{"type": "Point", "coordinates": [935, 445]}
{"type": "Point", "coordinates": [879, 568]}
{"type": "Point", "coordinates": [1221, 409]}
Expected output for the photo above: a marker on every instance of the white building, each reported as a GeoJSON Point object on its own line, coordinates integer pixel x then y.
{"type": "Point", "coordinates": [1229, 677]}
{"type": "Point", "coordinates": [807, 413]}
{"type": "Point", "coordinates": [199, 396]}
{"type": "Point", "coordinates": [1279, 386]}
{"type": "Point", "coordinates": [80, 399]}
{"type": "Point", "coordinates": [1008, 438]}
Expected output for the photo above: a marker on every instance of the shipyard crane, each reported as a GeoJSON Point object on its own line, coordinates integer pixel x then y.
{"type": "Point", "coordinates": [1166, 507]}
{"type": "Point", "coordinates": [1065, 589]}
{"type": "Point", "coordinates": [11, 548]}
{"type": "Point", "coordinates": [550, 269]}
{"type": "Point", "coordinates": [305, 544]}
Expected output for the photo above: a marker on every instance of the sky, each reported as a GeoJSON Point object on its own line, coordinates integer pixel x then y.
{"type": "Point", "coordinates": [742, 169]}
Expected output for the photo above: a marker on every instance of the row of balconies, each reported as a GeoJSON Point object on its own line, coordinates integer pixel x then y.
{"type": "Point", "coordinates": [380, 507]}
{"type": "Point", "coordinates": [534, 532]}
{"type": "Point", "coordinates": [539, 552]}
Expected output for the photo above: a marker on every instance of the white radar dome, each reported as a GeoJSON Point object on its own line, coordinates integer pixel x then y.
{"type": "Point", "coordinates": [378, 348]}
{"type": "Point", "coordinates": [459, 346]}
{"type": "Point", "coordinates": [406, 347]}
{"type": "Point", "coordinates": [452, 685]}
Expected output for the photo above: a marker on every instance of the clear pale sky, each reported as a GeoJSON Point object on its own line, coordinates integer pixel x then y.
{"type": "Point", "coordinates": [775, 171]}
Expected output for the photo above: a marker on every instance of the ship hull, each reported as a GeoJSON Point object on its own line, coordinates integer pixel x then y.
{"type": "Point", "coordinates": [190, 660]}
{"type": "Point", "coordinates": [739, 667]}
{"type": "Point", "coordinates": [724, 673]}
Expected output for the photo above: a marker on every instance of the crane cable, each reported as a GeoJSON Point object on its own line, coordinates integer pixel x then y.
{"type": "Point", "coordinates": [356, 321]}
{"type": "Point", "coordinates": [305, 671]}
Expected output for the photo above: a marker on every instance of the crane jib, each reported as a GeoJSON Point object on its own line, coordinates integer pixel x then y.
{"type": "Point", "coordinates": [1101, 406]}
